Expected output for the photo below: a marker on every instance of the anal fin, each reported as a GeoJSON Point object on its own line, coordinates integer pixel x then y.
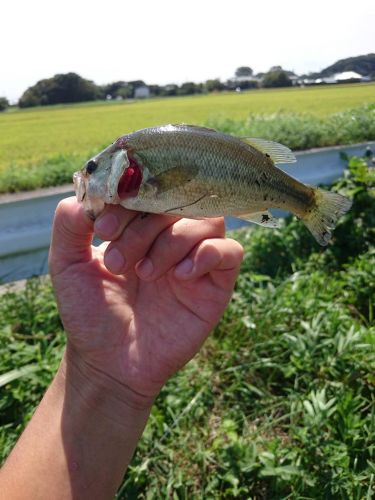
{"type": "Point", "coordinates": [264, 218]}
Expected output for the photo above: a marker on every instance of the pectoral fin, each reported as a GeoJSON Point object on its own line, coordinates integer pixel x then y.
{"type": "Point", "coordinates": [173, 177]}
{"type": "Point", "coordinates": [264, 218]}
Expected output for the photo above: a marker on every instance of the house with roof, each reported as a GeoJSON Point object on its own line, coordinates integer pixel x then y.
{"type": "Point", "coordinates": [142, 92]}
{"type": "Point", "coordinates": [347, 76]}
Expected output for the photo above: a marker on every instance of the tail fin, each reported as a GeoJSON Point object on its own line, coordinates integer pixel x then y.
{"type": "Point", "coordinates": [321, 220]}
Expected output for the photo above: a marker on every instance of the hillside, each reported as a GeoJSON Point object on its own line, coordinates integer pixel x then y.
{"type": "Point", "coordinates": [364, 65]}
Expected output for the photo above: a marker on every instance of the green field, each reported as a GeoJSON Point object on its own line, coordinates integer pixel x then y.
{"type": "Point", "coordinates": [29, 137]}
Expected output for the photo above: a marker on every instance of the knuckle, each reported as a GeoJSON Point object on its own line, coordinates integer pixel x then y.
{"type": "Point", "coordinates": [217, 225]}
{"type": "Point", "coordinates": [168, 247]}
{"type": "Point", "coordinates": [179, 234]}
{"type": "Point", "coordinates": [134, 241]}
{"type": "Point", "coordinates": [237, 250]}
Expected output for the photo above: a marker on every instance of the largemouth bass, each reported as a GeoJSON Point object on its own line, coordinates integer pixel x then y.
{"type": "Point", "coordinates": [198, 172]}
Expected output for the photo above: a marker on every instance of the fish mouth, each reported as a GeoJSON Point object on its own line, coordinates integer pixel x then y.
{"type": "Point", "coordinates": [93, 206]}
{"type": "Point", "coordinates": [122, 182]}
{"type": "Point", "coordinates": [79, 186]}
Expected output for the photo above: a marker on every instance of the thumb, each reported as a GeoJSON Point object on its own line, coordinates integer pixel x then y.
{"type": "Point", "coordinates": [72, 234]}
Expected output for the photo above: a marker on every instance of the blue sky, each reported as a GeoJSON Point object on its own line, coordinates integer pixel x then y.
{"type": "Point", "coordinates": [169, 41]}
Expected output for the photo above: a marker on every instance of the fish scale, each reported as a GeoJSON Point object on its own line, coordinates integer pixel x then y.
{"type": "Point", "coordinates": [221, 154]}
{"type": "Point", "coordinates": [197, 172]}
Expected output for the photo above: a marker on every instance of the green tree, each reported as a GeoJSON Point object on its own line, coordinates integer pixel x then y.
{"type": "Point", "coordinates": [277, 78]}
{"type": "Point", "coordinates": [3, 103]}
{"type": "Point", "coordinates": [115, 89]}
{"type": "Point", "coordinates": [189, 88]}
{"type": "Point", "coordinates": [214, 85]}
{"type": "Point", "coordinates": [243, 71]}
{"type": "Point", "coordinates": [61, 88]}
{"type": "Point", "coordinates": [155, 90]}
{"type": "Point", "coordinates": [126, 92]}
{"type": "Point", "coordinates": [169, 89]}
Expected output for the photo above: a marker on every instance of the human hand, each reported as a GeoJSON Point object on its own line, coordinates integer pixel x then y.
{"type": "Point", "coordinates": [135, 328]}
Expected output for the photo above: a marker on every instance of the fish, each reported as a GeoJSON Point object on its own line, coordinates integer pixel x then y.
{"type": "Point", "coordinates": [198, 172]}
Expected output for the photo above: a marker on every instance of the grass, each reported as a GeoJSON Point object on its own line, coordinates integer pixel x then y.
{"type": "Point", "coordinates": [31, 136]}
{"type": "Point", "coordinates": [280, 401]}
{"type": "Point", "coordinates": [300, 131]}
{"type": "Point", "coordinates": [296, 130]}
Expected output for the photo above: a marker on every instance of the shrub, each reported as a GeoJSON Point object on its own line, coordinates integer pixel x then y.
{"type": "Point", "coordinates": [302, 131]}
{"type": "Point", "coordinates": [4, 104]}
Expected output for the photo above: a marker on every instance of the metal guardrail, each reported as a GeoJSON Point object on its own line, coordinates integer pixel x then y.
{"type": "Point", "coordinates": [26, 218]}
{"type": "Point", "coordinates": [25, 231]}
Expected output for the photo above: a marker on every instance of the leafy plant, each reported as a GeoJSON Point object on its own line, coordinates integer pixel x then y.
{"type": "Point", "coordinates": [302, 131]}
{"type": "Point", "coordinates": [280, 401]}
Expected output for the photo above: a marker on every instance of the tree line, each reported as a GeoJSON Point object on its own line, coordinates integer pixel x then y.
{"type": "Point", "coordinates": [72, 88]}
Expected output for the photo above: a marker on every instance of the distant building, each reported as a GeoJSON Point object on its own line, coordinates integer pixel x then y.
{"type": "Point", "coordinates": [305, 81]}
{"type": "Point", "coordinates": [293, 77]}
{"type": "Point", "coordinates": [239, 83]}
{"type": "Point", "coordinates": [327, 79]}
{"type": "Point", "coordinates": [142, 92]}
{"type": "Point", "coordinates": [346, 76]}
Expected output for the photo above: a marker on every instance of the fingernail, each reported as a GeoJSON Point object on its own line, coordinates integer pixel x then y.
{"type": "Point", "coordinates": [107, 225]}
{"type": "Point", "coordinates": [114, 260]}
{"type": "Point", "coordinates": [184, 268]}
{"type": "Point", "coordinates": [145, 268]}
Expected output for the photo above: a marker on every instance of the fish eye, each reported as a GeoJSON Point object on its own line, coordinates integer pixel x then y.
{"type": "Point", "coordinates": [91, 166]}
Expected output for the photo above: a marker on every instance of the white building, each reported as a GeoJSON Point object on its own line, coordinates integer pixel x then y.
{"type": "Point", "coordinates": [142, 92]}
{"type": "Point", "coordinates": [327, 79]}
{"type": "Point", "coordinates": [347, 75]}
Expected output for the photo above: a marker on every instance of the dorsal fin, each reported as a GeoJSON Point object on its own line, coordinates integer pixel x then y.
{"type": "Point", "coordinates": [196, 127]}
{"type": "Point", "coordinates": [277, 152]}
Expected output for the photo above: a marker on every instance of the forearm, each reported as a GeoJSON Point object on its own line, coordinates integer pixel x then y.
{"type": "Point", "coordinates": [79, 441]}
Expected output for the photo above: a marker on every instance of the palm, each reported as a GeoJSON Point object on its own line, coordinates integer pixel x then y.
{"type": "Point", "coordinates": [141, 331]}
{"type": "Point", "coordinates": [151, 328]}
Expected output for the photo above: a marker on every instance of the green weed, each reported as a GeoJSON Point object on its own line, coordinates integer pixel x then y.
{"type": "Point", "coordinates": [280, 401]}
{"type": "Point", "coordinates": [302, 131]}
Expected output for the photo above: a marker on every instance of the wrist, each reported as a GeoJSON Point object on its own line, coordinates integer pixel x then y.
{"type": "Point", "coordinates": [80, 439]}
{"type": "Point", "coordinates": [99, 391]}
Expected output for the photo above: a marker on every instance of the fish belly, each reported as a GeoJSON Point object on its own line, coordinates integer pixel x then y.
{"type": "Point", "coordinates": [201, 198]}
